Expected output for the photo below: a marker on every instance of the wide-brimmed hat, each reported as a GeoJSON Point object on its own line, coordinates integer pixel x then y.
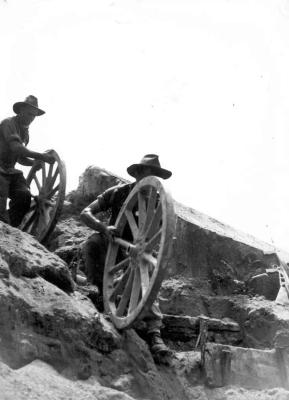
{"type": "Point", "coordinates": [31, 102]}
{"type": "Point", "coordinates": [151, 161]}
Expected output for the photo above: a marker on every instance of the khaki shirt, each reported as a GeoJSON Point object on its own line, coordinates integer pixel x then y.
{"type": "Point", "coordinates": [113, 198]}
{"type": "Point", "coordinates": [10, 132]}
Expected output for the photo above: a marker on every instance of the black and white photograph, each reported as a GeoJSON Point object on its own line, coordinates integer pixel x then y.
{"type": "Point", "coordinates": [144, 200]}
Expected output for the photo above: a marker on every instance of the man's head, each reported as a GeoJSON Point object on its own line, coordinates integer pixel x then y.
{"type": "Point", "coordinates": [149, 165]}
{"type": "Point", "coordinates": [27, 110]}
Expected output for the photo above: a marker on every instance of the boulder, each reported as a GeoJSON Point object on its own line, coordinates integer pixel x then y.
{"type": "Point", "coordinates": [40, 321]}
{"type": "Point", "coordinates": [265, 284]}
{"type": "Point", "coordinates": [92, 182]}
{"type": "Point", "coordinates": [23, 256]}
{"type": "Point", "coordinates": [207, 249]}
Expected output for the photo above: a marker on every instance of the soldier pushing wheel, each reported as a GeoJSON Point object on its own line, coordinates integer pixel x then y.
{"type": "Point", "coordinates": [14, 137]}
{"type": "Point", "coordinates": [132, 211]}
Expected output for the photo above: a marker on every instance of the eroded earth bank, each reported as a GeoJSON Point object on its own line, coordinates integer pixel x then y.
{"type": "Point", "coordinates": [229, 335]}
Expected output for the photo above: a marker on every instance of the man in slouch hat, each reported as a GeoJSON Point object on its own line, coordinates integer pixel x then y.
{"type": "Point", "coordinates": [14, 137]}
{"type": "Point", "coordinates": [95, 248]}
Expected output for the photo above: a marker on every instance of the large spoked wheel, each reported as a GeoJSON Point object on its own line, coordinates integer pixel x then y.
{"type": "Point", "coordinates": [136, 260]}
{"type": "Point", "coordinates": [47, 186]}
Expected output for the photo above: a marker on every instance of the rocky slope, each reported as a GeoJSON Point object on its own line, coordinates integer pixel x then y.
{"type": "Point", "coordinates": [229, 335]}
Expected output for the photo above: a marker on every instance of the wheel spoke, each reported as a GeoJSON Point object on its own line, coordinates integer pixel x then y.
{"type": "Point", "coordinates": [37, 182]}
{"type": "Point", "coordinates": [45, 214]}
{"type": "Point", "coordinates": [155, 222]}
{"type": "Point", "coordinates": [53, 179]}
{"type": "Point", "coordinates": [32, 229]}
{"type": "Point", "coordinates": [150, 259]}
{"type": "Point", "coordinates": [125, 295]}
{"type": "Point", "coordinates": [119, 266]}
{"type": "Point", "coordinates": [151, 208]}
{"type": "Point", "coordinates": [45, 209]}
{"type": "Point", "coordinates": [43, 174]}
{"type": "Point", "coordinates": [124, 243]}
{"type": "Point", "coordinates": [141, 211]}
{"type": "Point", "coordinates": [40, 226]}
{"type": "Point", "coordinates": [29, 220]}
{"type": "Point", "coordinates": [49, 175]}
{"type": "Point", "coordinates": [132, 223]}
{"type": "Point", "coordinates": [144, 275]}
{"type": "Point", "coordinates": [135, 292]}
{"type": "Point", "coordinates": [118, 289]}
{"type": "Point", "coordinates": [53, 191]}
{"type": "Point", "coordinates": [153, 242]}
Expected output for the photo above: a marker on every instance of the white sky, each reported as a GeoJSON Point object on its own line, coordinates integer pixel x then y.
{"type": "Point", "coordinates": [203, 83]}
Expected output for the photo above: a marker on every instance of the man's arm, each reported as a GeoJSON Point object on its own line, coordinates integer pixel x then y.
{"type": "Point", "coordinates": [27, 162]}
{"type": "Point", "coordinates": [22, 152]}
{"type": "Point", "coordinates": [102, 203]}
{"type": "Point", "coordinates": [88, 218]}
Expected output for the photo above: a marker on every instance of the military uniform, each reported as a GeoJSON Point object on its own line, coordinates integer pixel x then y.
{"type": "Point", "coordinates": [12, 182]}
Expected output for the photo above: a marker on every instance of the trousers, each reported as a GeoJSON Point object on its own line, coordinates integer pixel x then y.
{"type": "Point", "coordinates": [13, 187]}
{"type": "Point", "coordinates": [94, 252]}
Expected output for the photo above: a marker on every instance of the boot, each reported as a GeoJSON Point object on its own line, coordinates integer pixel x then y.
{"type": "Point", "coordinates": [158, 349]}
